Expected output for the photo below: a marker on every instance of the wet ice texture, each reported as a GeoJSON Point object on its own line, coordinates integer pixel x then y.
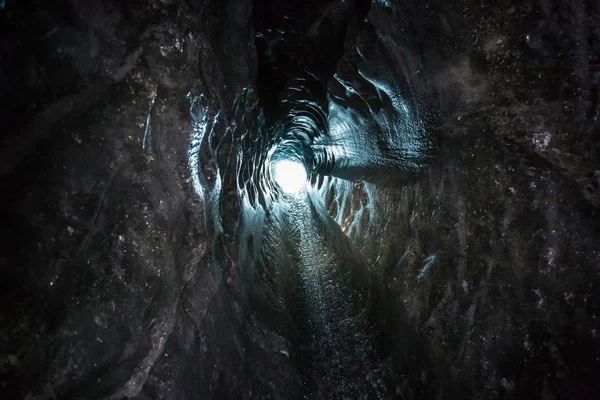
{"type": "Point", "coordinates": [294, 258]}
{"type": "Point", "coordinates": [119, 281]}
{"type": "Point", "coordinates": [453, 250]}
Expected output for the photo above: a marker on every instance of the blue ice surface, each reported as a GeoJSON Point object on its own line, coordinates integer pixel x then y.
{"type": "Point", "coordinates": [429, 261]}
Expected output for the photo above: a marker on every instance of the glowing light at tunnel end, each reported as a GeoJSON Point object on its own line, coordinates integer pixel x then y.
{"type": "Point", "coordinates": [289, 175]}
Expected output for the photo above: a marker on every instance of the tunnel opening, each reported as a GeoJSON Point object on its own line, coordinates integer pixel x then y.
{"type": "Point", "coordinates": [289, 175]}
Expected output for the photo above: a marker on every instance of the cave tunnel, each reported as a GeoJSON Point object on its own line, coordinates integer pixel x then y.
{"type": "Point", "coordinates": [300, 199]}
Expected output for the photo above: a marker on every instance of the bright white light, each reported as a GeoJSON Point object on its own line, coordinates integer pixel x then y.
{"type": "Point", "coordinates": [289, 175]}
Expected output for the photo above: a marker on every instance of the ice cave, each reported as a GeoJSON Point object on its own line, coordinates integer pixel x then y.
{"type": "Point", "coordinates": [300, 199]}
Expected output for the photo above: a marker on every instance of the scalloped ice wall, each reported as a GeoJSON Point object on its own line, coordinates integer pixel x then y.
{"type": "Point", "coordinates": [445, 244]}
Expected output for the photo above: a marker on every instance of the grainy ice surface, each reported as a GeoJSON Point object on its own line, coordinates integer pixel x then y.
{"type": "Point", "coordinates": [446, 244]}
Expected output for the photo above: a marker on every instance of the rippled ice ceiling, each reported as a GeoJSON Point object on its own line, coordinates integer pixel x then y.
{"type": "Point", "coordinates": [300, 199]}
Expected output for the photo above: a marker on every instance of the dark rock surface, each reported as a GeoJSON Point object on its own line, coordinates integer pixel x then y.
{"type": "Point", "coordinates": [118, 280]}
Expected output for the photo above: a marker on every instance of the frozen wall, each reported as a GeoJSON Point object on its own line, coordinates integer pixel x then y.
{"type": "Point", "coordinates": [148, 253]}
